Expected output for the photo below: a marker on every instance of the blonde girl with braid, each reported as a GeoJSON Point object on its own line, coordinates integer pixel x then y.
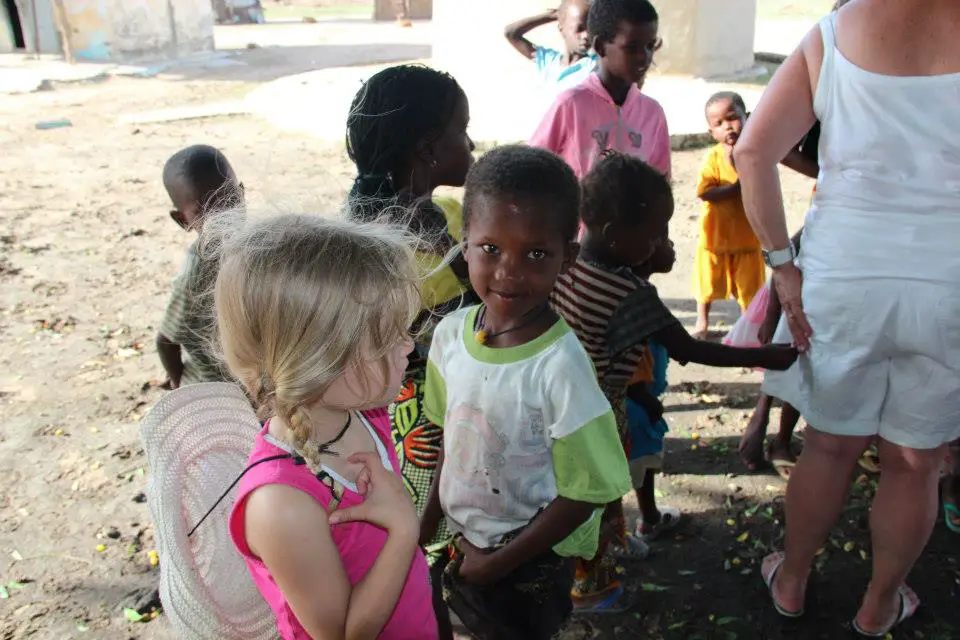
{"type": "Point", "coordinates": [313, 318]}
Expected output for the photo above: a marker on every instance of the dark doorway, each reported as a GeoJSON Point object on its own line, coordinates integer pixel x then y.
{"type": "Point", "coordinates": [15, 25]}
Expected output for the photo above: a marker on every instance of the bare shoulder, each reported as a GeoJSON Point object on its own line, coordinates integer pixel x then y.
{"type": "Point", "coordinates": [278, 515]}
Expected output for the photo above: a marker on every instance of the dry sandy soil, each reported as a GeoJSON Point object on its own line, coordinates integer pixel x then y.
{"type": "Point", "coordinates": [87, 253]}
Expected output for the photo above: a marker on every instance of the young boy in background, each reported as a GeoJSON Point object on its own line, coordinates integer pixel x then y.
{"type": "Point", "coordinates": [728, 263]}
{"type": "Point", "coordinates": [558, 70]}
{"type": "Point", "coordinates": [607, 111]}
{"type": "Point", "coordinates": [199, 181]}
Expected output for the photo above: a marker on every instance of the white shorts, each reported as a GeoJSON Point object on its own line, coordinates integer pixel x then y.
{"type": "Point", "coordinates": [884, 360]}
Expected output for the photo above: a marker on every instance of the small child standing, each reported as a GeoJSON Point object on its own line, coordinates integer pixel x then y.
{"type": "Point", "coordinates": [199, 181]}
{"type": "Point", "coordinates": [627, 207]}
{"type": "Point", "coordinates": [729, 262]}
{"type": "Point", "coordinates": [558, 70]}
{"type": "Point", "coordinates": [608, 111]}
{"type": "Point", "coordinates": [313, 317]}
{"type": "Point", "coordinates": [531, 452]}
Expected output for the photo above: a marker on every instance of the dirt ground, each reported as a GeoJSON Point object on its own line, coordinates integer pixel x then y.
{"type": "Point", "coordinates": [87, 253]}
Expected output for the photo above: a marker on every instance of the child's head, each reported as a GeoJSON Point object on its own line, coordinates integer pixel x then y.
{"type": "Point", "coordinates": [726, 112]}
{"type": "Point", "coordinates": [407, 130]}
{"type": "Point", "coordinates": [520, 226]}
{"type": "Point", "coordinates": [200, 180]}
{"type": "Point", "coordinates": [839, 4]}
{"type": "Point", "coordinates": [627, 206]}
{"type": "Point", "coordinates": [315, 311]}
{"type": "Point", "coordinates": [625, 37]}
{"type": "Point", "coordinates": [572, 22]}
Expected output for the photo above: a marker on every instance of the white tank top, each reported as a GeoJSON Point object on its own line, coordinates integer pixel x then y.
{"type": "Point", "coordinates": [888, 195]}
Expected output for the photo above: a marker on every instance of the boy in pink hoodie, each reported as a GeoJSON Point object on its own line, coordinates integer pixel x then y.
{"type": "Point", "coordinates": [607, 111]}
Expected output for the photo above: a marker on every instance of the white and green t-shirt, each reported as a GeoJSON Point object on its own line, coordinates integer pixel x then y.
{"type": "Point", "coordinates": [521, 426]}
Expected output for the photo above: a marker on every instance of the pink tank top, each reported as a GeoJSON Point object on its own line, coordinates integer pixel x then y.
{"type": "Point", "coordinates": [359, 543]}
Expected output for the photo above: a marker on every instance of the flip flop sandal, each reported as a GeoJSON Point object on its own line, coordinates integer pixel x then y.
{"type": "Point", "coordinates": [769, 577]}
{"type": "Point", "coordinates": [951, 516]}
{"type": "Point", "coordinates": [635, 549]}
{"type": "Point", "coordinates": [908, 607]}
{"type": "Point", "coordinates": [870, 460]}
{"type": "Point", "coordinates": [613, 603]}
{"type": "Point", "coordinates": [783, 468]}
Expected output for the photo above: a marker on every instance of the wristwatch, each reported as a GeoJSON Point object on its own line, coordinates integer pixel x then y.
{"type": "Point", "coordinates": [780, 257]}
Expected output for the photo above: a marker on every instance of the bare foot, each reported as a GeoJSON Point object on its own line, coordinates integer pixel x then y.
{"type": "Point", "coordinates": [751, 444]}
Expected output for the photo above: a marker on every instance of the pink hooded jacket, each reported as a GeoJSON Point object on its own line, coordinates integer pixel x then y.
{"type": "Point", "coordinates": [584, 122]}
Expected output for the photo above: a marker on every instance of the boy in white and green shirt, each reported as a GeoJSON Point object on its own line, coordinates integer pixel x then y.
{"type": "Point", "coordinates": [531, 453]}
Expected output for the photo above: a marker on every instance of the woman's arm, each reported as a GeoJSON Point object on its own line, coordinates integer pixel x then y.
{"type": "Point", "coordinates": [515, 32]}
{"type": "Point", "coordinates": [784, 114]}
{"type": "Point", "coordinates": [290, 533]}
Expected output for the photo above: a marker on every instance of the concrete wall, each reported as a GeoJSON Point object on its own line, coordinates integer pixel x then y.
{"type": "Point", "coordinates": [419, 9]}
{"type": "Point", "coordinates": [130, 30]}
{"type": "Point", "coordinates": [706, 38]}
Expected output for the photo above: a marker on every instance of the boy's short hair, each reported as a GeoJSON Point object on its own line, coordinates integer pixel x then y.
{"type": "Point", "coordinates": [622, 188]}
{"type": "Point", "coordinates": [605, 16]}
{"type": "Point", "coordinates": [197, 173]}
{"type": "Point", "coordinates": [528, 174]}
{"type": "Point", "coordinates": [732, 96]}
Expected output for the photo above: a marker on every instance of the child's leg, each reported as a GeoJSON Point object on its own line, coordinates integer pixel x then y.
{"type": "Point", "coordinates": [655, 521]}
{"type": "Point", "coordinates": [710, 282]}
{"type": "Point", "coordinates": [647, 499]}
{"type": "Point", "coordinates": [748, 274]}
{"type": "Point", "coordinates": [780, 447]}
{"type": "Point", "coordinates": [751, 444]}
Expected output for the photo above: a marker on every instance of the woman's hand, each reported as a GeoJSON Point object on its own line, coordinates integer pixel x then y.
{"type": "Point", "coordinates": [788, 279]}
{"type": "Point", "coordinates": [386, 502]}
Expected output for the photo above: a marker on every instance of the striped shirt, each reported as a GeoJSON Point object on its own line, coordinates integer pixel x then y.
{"type": "Point", "coordinates": [587, 297]}
{"type": "Point", "coordinates": [613, 312]}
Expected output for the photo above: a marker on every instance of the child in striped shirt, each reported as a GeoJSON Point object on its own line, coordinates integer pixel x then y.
{"type": "Point", "coordinates": [626, 210]}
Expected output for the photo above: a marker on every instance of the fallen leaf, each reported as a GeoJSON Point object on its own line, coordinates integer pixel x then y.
{"type": "Point", "coordinates": [735, 562]}
{"type": "Point", "coordinates": [82, 628]}
{"type": "Point", "coordinates": [4, 594]}
{"type": "Point", "coordinates": [132, 615]}
{"type": "Point", "coordinates": [849, 546]}
{"type": "Point", "coordinates": [649, 586]}
{"type": "Point", "coordinates": [726, 565]}
{"type": "Point", "coordinates": [16, 555]}
{"type": "Point", "coordinates": [676, 625]}
{"type": "Point", "coordinates": [731, 522]}
{"type": "Point", "coordinates": [743, 536]}
{"type": "Point", "coordinates": [864, 555]}
{"type": "Point", "coordinates": [752, 511]}
{"type": "Point", "coordinates": [101, 548]}
{"type": "Point", "coordinates": [153, 557]}
{"type": "Point", "coordinates": [686, 572]}
{"type": "Point", "coordinates": [727, 620]}
{"type": "Point", "coordinates": [659, 494]}
{"type": "Point", "coordinates": [16, 586]}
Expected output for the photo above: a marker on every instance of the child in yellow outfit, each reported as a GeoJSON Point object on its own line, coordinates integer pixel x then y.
{"type": "Point", "coordinates": [728, 260]}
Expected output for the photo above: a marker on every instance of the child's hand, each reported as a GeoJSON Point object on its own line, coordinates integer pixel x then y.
{"type": "Point", "coordinates": [767, 328]}
{"type": "Point", "coordinates": [479, 566]}
{"type": "Point", "coordinates": [386, 502]}
{"type": "Point", "coordinates": [779, 357]}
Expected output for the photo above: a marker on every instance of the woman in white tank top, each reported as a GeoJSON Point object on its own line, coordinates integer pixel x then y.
{"type": "Point", "coordinates": [873, 302]}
